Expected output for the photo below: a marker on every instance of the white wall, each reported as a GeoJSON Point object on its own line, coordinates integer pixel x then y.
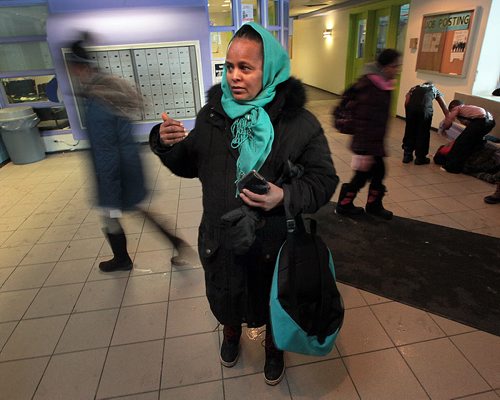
{"type": "Point", "coordinates": [448, 85]}
{"type": "Point", "coordinates": [488, 69]}
{"type": "Point", "coordinates": [322, 64]}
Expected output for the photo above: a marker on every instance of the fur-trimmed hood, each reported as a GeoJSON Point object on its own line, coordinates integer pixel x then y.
{"type": "Point", "coordinates": [290, 98]}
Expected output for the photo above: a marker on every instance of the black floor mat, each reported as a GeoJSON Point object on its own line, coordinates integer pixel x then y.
{"type": "Point", "coordinates": [446, 271]}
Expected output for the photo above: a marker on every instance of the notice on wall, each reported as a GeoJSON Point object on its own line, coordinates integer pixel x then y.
{"type": "Point", "coordinates": [247, 13]}
{"type": "Point", "coordinates": [443, 42]}
{"type": "Point", "coordinates": [431, 42]}
{"type": "Point", "coordinates": [217, 69]}
{"type": "Point", "coordinates": [459, 44]}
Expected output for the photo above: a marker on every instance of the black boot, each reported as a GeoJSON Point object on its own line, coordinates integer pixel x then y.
{"type": "Point", "coordinates": [345, 205]}
{"type": "Point", "coordinates": [422, 160]}
{"type": "Point", "coordinates": [121, 260]}
{"type": "Point", "coordinates": [374, 204]}
{"type": "Point", "coordinates": [494, 198]}
{"type": "Point", "coordinates": [274, 368]}
{"type": "Point", "coordinates": [230, 349]}
{"type": "Point", "coordinates": [407, 156]}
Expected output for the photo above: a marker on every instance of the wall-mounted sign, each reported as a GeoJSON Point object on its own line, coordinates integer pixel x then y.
{"type": "Point", "coordinates": [246, 13]}
{"type": "Point", "coordinates": [444, 40]}
{"type": "Point", "coordinates": [217, 68]}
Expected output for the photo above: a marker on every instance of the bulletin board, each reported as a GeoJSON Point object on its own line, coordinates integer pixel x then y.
{"type": "Point", "coordinates": [444, 42]}
{"type": "Point", "coordinates": [166, 74]}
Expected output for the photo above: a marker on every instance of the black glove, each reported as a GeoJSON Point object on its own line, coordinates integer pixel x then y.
{"type": "Point", "coordinates": [241, 223]}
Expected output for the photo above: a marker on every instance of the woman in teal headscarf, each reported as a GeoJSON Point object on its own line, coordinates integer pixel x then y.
{"type": "Point", "coordinates": [254, 120]}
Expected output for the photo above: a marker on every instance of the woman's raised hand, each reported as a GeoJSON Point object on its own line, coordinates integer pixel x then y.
{"type": "Point", "coordinates": [268, 201]}
{"type": "Point", "coordinates": [171, 131]}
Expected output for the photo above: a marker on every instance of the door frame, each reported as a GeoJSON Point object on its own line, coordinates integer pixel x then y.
{"type": "Point", "coordinates": [370, 42]}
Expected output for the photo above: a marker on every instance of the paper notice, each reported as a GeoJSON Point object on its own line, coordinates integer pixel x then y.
{"type": "Point", "coordinates": [459, 45]}
{"type": "Point", "coordinates": [430, 44]}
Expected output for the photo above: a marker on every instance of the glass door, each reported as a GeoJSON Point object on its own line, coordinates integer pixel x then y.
{"type": "Point", "coordinates": [357, 50]}
{"type": "Point", "coordinates": [381, 29]}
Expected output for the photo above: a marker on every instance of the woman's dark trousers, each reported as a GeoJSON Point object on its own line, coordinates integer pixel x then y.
{"type": "Point", "coordinates": [376, 174]}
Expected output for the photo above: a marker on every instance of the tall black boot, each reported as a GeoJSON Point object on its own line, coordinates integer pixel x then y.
{"type": "Point", "coordinates": [374, 204]}
{"type": "Point", "coordinates": [121, 260]}
{"type": "Point", "coordinates": [345, 205]}
{"type": "Point", "coordinates": [274, 368]}
{"type": "Point", "coordinates": [230, 348]}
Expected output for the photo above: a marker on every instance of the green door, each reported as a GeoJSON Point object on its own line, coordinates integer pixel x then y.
{"type": "Point", "coordinates": [371, 31]}
{"type": "Point", "coordinates": [369, 36]}
{"type": "Point", "coordinates": [357, 47]}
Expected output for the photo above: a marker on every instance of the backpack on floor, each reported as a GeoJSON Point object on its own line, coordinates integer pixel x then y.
{"type": "Point", "coordinates": [305, 305]}
{"type": "Point", "coordinates": [442, 153]}
{"type": "Point", "coordinates": [343, 113]}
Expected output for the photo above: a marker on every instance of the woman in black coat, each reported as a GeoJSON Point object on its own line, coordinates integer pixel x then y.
{"type": "Point", "coordinates": [238, 285]}
{"type": "Point", "coordinates": [370, 116]}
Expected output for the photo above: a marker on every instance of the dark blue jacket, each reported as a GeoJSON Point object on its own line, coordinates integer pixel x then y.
{"type": "Point", "coordinates": [115, 155]}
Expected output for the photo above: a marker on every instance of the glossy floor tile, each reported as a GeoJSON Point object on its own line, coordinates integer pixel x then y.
{"type": "Point", "coordinates": [69, 331]}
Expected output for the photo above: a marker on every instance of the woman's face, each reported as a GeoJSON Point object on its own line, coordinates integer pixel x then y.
{"type": "Point", "coordinates": [393, 69]}
{"type": "Point", "coordinates": [244, 68]}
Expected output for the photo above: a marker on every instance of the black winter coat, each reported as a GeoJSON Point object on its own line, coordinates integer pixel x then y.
{"type": "Point", "coordinates": [238, 286]}
{"type": "Point", "coordinates": [371, 114]}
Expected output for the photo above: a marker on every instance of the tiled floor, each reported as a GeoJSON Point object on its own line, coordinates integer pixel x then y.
{"type": "Point", "coordinates": [69, 332]}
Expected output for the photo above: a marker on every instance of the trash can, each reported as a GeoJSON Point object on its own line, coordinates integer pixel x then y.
{"type": "Point", "coordinates": [20, 134]}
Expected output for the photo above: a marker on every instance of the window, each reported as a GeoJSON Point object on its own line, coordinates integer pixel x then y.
{"type": "Point", "coordinates": [220, 42]}
{"type": "Point", "coordinates": [220, 12]}
{"type": "Point", "coordinates": [250, 11]}
{"type": "Point", "coordinates": [25, 56]}
{"type": "Point", "coordinates": [26, 65]}
{"type": "Point", "coordinates": [360, 52]}
{"type": "Point", "coordinates": [23, 21]}
{"type": "Point", "coordinates": [402, 26]}
{"type": "Point", "coordinates": [273, 13]}
{"type": "Point", "coordinates": [26, 89]}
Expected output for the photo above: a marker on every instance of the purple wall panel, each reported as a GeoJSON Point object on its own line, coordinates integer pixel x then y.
{"type": "Point", "coordinates": [65, 6]}
{"type": "Point", "coordinates": [128, 26]}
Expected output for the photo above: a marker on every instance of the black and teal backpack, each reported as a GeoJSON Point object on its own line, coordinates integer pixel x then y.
{"type": "Point", "coordinates": [306, 307]}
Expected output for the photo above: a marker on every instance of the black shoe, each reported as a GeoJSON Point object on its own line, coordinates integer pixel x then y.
{"type": "Point", "coordinates": [349, 209]}
{"type": "Point", "coordinates": [229, 352]}
{"type": "Point", "coordinates": [379, 212]}
{"type": "Point", "coordinates": [407, 158]}
{"type": "Point", "coordinates": [422, 160]}
{"type": "Point", "coordinates": [121, 260]}
{"type": "Point", "coordinates": [116, 265]}
{"type": "Point", "coordinates": [274, 368]}
{"type": "Point", "coordinates": [492, 200]}
{"type": "Point", "coordinates": [374, 204]}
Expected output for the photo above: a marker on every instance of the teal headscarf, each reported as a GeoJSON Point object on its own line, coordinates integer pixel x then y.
{"type": "Point", "coordinates": [252, 129]}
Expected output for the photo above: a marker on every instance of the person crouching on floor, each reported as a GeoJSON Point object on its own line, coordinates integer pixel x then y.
{"type": "Point", "coordinates": [478, 123]}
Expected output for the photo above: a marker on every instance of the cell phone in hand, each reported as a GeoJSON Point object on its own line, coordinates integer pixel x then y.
{"type": "Point", "coordinates": [254, 182]}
